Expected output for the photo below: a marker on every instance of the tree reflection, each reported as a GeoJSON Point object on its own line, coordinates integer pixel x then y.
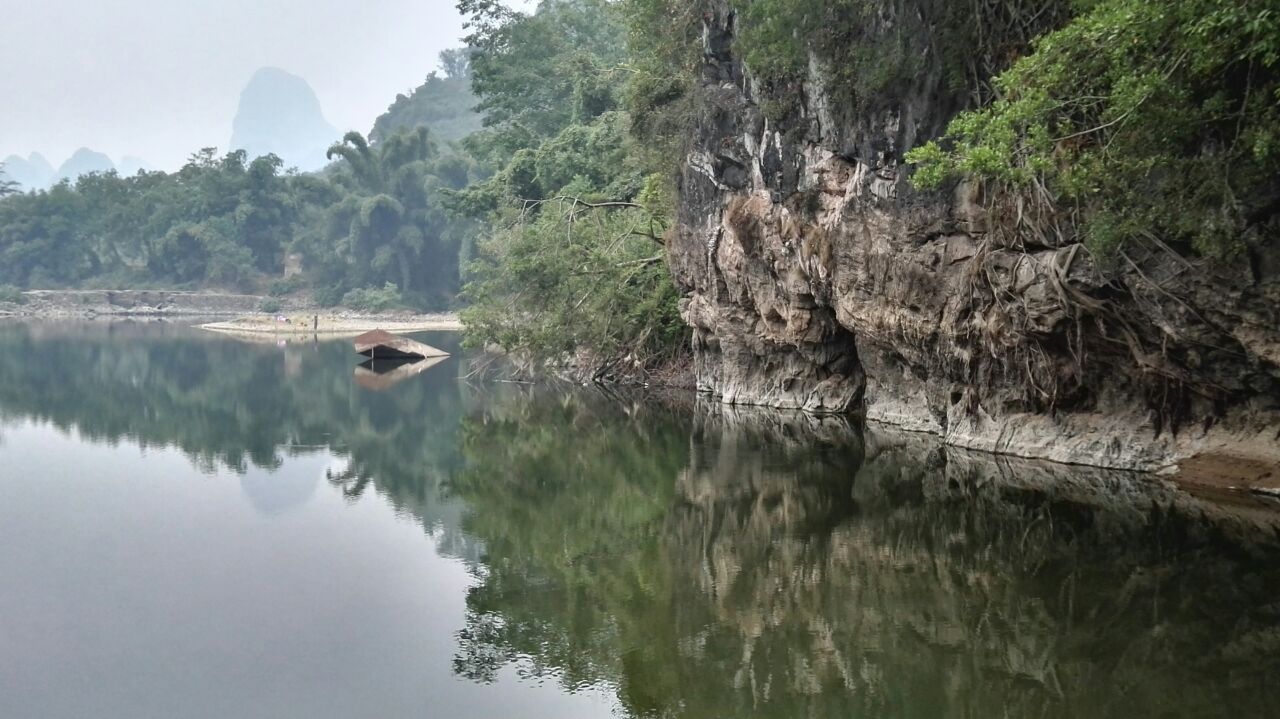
{"type": "Point", "coordinates": [703, 562]}
{"type": "Point", "coordinates": [235, 405]}
{"type": "Point", "coordinates": [754, 564]}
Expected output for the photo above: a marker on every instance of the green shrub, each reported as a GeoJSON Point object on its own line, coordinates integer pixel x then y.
{"type": "Point", "coordinates": [269, 305]}
{"type": "Point", "coordinates": [777, 36]}
{"type": "Point", "coordinates": [1144, 118]}
{"type": "Point", "coordinates": [370, 299]}
{"type": "Point", "coordinates": [328, 296]}
{"type": "Point", "coordinates": [282, 288]}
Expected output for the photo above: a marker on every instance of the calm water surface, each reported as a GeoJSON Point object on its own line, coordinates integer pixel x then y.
{"type": "Point", "coordinates": [194, 526]}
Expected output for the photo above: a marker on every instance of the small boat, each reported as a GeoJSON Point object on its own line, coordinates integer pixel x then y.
{"type": "Point", "coordinates": [380, 344]}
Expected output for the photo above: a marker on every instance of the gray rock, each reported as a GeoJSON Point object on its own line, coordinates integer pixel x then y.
{"type": "Point", "coordinates": [84, 162]}
{"type": "Point", "coordinates": [32, 172]}
{"type": "Point", "coordinates": [280, 114]}
{"type": "Point", "coordinates": [816, 277]}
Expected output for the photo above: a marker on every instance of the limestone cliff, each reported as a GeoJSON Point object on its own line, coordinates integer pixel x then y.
{"type": "Point", "coordinates": [280, 114]}
{"type": "Point", "coordinates": [816, 277]}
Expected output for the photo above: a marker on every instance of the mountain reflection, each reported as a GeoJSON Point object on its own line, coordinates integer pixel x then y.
{"type": "Point", "coordinates": [703, 562]}
{"type": "Point", "coordinates": [247, 407]}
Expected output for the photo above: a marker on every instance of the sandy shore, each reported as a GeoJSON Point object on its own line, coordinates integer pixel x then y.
{"type": "Point", "coordinates": [235, 313]}
{"type": "Point", "coordinates": [330, 325]}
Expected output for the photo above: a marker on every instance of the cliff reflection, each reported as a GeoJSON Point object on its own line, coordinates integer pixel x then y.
{"type": "Point", "coordinates": [789, 567]}
{"type": "Point", "coordinates": [703, 562]}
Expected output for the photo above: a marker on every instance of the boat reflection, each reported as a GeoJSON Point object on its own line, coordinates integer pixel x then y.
{"type": "Point", "coordinates": [382, 375]}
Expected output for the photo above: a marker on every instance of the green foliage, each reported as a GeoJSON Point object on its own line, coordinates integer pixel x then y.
{"type": "Point", "coordinates": [327, 295]}
{"type": "Point", "coordinates": [1145, 117]}
{"type": "Point", "coordinates": [443, 104]}
{"type": "Point", "coordinates": [219, 221]}
{"type": "Point", "coordinates": [388, 221]}
{"type": "Point", "coordinates": [270, 306]}
{"type": "Point", "coordinates": [870, 51]}
{"type": "Point", "coordinates": [286, 287]}
{"type": "Point", "coordinates": [377, 215]}
{"type": "Point", "coordinates": [571, 277]}
{"type": "Point", "coordinates": [573, 256]}
{"type": "Point", "coordinates": [374, 299]}
{"type": "Point", "coordinates": [777, 37]}
{"type": "Point", "coordinates": [536, 74]}
{"type": "Point", "coordinates": [664, 44]}
{"type": "Point", "coordinates": [7, 186]}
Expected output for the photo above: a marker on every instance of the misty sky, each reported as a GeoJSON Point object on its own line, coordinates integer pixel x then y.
{"type": "Point", "coordinates": [158, 79]}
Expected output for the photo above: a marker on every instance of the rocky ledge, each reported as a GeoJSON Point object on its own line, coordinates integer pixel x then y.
{"type": "Point", "coordinates": [816, 277]}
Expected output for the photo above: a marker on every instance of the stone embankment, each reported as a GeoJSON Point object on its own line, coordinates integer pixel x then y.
{"type": "Point", "coordinates": [136, 303]}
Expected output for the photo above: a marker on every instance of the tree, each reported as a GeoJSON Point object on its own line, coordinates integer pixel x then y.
{"type": "Point", "coordinates": [390, 224]}
{"type": "Point", "coordinates": [7, 186]}
{"type": "Point", "coordinates": [572, 257]}
{"type": "Point", "coordinates": [1143, 118]}
{"type": "Point", "coordinates": [443, 104]}
{"type": "Point", "coordinates": [456, 63]}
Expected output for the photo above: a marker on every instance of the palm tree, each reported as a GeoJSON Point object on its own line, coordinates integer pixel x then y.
{"type": "Point", "coordinates": [364, 164]}
{"type": "Point", "coordinates": [384, 227]}
{"type": "Point", "coordinates": [7, 187]}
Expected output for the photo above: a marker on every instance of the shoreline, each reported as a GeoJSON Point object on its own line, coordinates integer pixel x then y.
{"type": "Point", "coordinates": [221, 312]}
{"type": "Point", "coordinates": [329, 325]}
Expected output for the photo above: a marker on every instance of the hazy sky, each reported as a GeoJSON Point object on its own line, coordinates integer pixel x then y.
{"type": "Point", "coordinates": [159, 79]}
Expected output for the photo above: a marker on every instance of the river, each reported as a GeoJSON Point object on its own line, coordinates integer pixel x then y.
{"type": "Point", "coordinates": [196, 526]}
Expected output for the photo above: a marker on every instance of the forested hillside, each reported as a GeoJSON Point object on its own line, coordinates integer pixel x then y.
{"type": "Point", "coordinates": [539, 169]}
{"type": "Point", "coordinates": [371, 231]}
{"type": "Point", "coordinates": [535, 168]}
{"type": "Point", "coordinates": [443, 103]}
{"type": "Point", "coordinates": [572, 255]}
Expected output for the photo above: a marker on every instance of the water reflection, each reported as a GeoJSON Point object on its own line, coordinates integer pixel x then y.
{"type": "Point", "coordinates": [277, 493]}
{"type": "Point", "coordinates": [382, 375]}
{"type": "Point", "coordinates": [244, 406]}
{"type": "Point", "coordinates": [797, 568]}
{"type": "Point", "coordinates": [701, 562]}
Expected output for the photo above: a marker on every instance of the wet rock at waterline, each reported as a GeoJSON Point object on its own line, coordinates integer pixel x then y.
{"type": "Point", "coordinates": [816, 277]}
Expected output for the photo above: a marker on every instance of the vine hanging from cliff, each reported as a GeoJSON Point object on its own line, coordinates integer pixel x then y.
{"type": "Point", "coordinates": [1144, 118]}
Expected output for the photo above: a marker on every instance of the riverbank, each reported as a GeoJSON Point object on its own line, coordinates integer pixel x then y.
{"type": "Point", "coordinates": [333, 325]}
{"type": "Point", "coordinates": [234, 313]}
{"type": "Point", "coordinates": [78, 304]}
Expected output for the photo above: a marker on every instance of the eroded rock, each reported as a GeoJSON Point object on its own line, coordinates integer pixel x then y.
{"type": "Point", "coordinates": [817, 277]}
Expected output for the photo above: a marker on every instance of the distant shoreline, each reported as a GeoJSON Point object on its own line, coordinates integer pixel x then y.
{"type": "Point", "coordinates": [223, 312]}
{"type": "Point", "coordinates": [330, 325]}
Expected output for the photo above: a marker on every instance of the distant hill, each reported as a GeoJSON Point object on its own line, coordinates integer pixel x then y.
{"type": "Point", "coordinates": [83, 162]}
{"type": "Point", "coordinates": [443, 103]}
{"type": "Point", "coordinates": [280, 113]}
{"type": "Point", "coordinates": [32, 172]}
{"type": "Point", "coordinates": [130, 166]}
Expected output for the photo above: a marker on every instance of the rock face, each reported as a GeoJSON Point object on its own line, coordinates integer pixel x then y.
{"type": "Point", "coordinates": [279, 113]}
{"type": "Point", "coordinates": [32, 172]}
{"type": "Point", "coordinates": [84, 162]}
{"type": "Point", "coordinates": [896, 566]}
{"type": "Point", "coordinates": [130, 166]}
{"type": "Point", "coordinates": [816, 277]}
